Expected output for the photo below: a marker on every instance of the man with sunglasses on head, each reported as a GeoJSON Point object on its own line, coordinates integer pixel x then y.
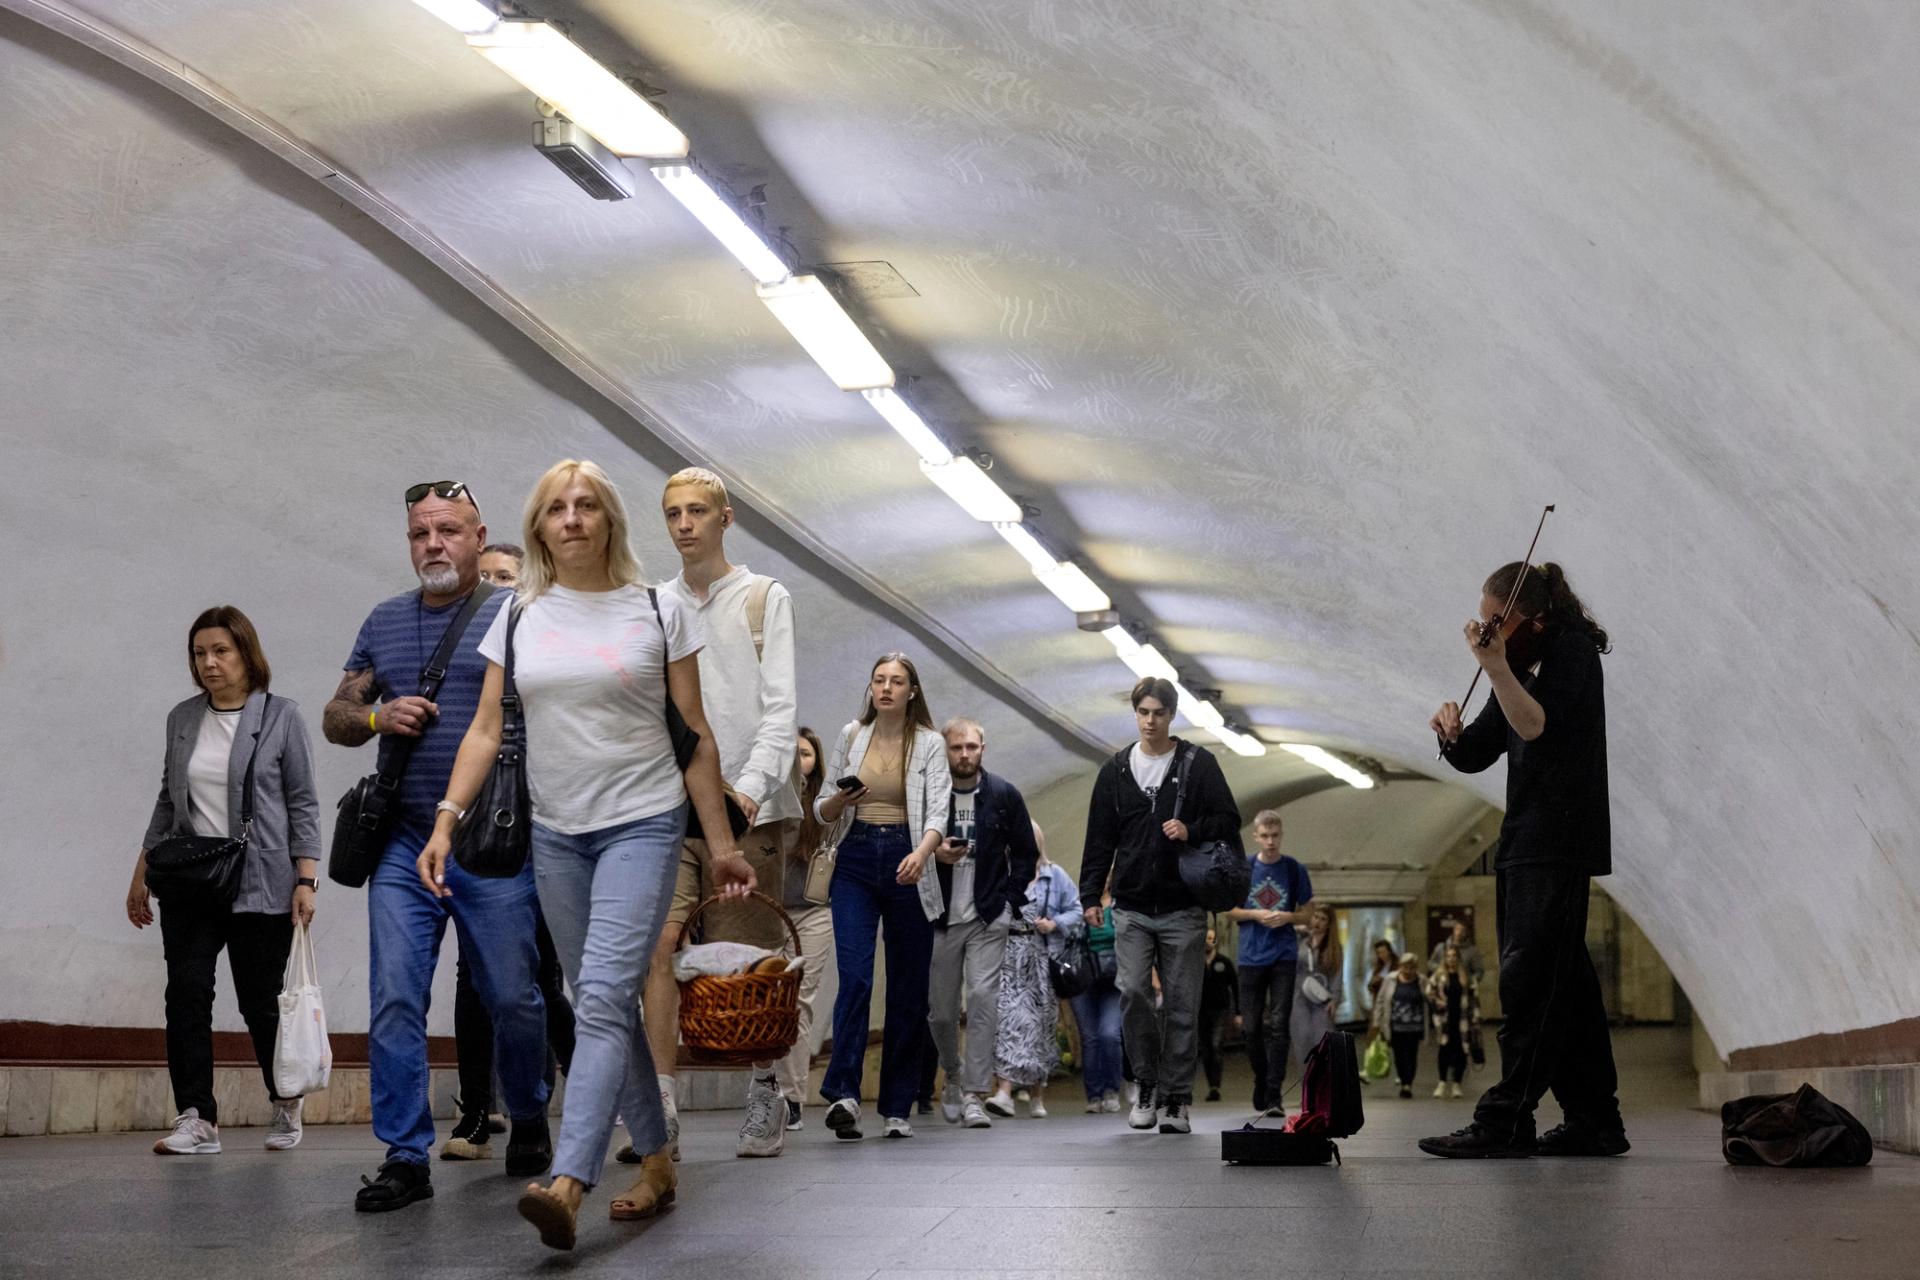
{"type": "Point", "coordinates": [496, 919]}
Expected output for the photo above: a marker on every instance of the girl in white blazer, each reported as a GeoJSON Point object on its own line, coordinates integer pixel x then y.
{"type": "Point", "coordinates": [894, 815]}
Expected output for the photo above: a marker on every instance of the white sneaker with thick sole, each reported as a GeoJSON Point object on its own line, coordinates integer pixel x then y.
{"type": "Point", "coordinates": [1453, 1090]}
{"type": "Point", "coordinates": [1111, 1103]}
{"type": "Point", "coordinates": [1173, 1118]}
{"type": "Point", "coordinates": [843, 1117]}
{"type": "Point", "coordinates": [1037, 1109]}
{"type": "Point", "coordinates": [284, 1133]}
{"type": "Point", "coordinates": [899, 1127]}
{"type": "Point", "coordinates": [1440, 1090]}
{"type": "Point", "coordinates": [764, 1131]}
{"type": "Point", "coordinates": [1144, 1114]}
{"type": "Point", "coordinates": [975, 1114]}
{"type": "Point", "coordinates": [953, 1103]}
{"type": "Point", "coordinates": [1095, 1106]}
{"type": "Point", "coordinates": [1000, 1104]}
{"type": "Point", "coordinates": [191, 1136]}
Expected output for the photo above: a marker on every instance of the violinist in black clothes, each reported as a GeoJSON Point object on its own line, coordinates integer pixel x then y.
{"type": "Point", "coordinates": [1547, 715]}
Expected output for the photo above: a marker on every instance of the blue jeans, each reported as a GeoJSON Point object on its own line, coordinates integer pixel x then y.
{"type": "Point", "coordinates": [1098, 1013]}
{"type": "Point", "coordinates": [605, 895]}
{"type": "Point", "coordinates": [865, 900]}
{"type": "Point", "coordinates": [405, 924]}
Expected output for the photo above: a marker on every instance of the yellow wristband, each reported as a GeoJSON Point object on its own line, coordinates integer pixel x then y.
{"type": "Point", "coordinates": [370, 716]}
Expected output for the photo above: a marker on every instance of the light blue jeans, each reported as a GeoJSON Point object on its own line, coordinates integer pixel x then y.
{"type": "Point", "coordinates": [605, 896]}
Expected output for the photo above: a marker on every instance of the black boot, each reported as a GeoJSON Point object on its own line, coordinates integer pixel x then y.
{"type": "Point", "coordinates": [398, 1184]}
{"type": "Point", "coordinates": [530, 1149]}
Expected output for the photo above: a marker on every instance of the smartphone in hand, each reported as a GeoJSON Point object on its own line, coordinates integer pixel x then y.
{"type": "Point", "coordinates": [851, 783]}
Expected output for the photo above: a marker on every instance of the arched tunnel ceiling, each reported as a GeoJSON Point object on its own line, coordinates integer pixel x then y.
{"type": "Point", "coordinates": [1291, 318]}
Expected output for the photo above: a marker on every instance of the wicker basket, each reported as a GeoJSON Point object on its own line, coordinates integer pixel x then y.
{"type": "Point", "coordinates": [741, 1018]}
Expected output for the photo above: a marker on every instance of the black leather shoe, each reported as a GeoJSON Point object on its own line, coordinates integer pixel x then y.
{"type": "Point", "coordinates": [530, 1149]}
{"type": "Point", "coordinates": [1476, 1143]}
{"type": "Point", "coordinates": [398, 1184]}
{"type": "Point", "coordinates": [1578, 1140]}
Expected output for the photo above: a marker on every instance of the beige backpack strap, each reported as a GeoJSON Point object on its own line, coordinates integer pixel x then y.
{"type": "Point", "coordinates": [757, 612]}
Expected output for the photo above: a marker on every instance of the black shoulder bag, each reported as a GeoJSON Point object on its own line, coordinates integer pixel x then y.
{"type": "Point", "coordinates": [1216, 874]}
{"type": "Point", "coordinates": [685, 740]}
{"type": "Point", "coordinates": [495, 834]}
{"type": "Point", "coordinates": [204, 871]}
{"type": "Point", "coordinates": [360, 822]}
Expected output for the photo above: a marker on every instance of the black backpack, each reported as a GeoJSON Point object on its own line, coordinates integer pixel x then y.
{"type": "Point", "coordinates": [1330, 1108]}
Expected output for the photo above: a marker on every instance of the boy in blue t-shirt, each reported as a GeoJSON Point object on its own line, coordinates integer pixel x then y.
{"type": "Point", "coordinates": [1277, 900]}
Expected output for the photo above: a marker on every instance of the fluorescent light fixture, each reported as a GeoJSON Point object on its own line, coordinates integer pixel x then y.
{"type": "Point", "coordinates": [559, 71]}
{"type": "Point", "coordinates": [974, 490]}
{"type": "Point", "coordinates": [717, 214]}
{"type": "Point", "coordinates": [1198, 710]}
{"type": "Point", "coordinates": [1029, 548]}
{"type": "Point", "coordinates": [1333, 764]}
{"type": "Point", "coordinates": [1074, 589]}
{"type": "Point", "coordinates": [818, 323]}
{"type": "Point", "coordinates": [469, 16]}
{"type": "Point", "coordinates": [1243, 744]}
{"type": "Point", "coordinates": [1123, 644]}
{"type": "Point", "coordinates": [1147, 661]}
{"type": "Point", "coordinates": [911, 426]}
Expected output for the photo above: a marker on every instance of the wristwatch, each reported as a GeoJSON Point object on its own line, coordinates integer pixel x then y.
{"type": "Point", "coordinates": [309, 882]}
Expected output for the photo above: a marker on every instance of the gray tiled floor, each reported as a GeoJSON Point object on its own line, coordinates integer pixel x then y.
{"type": "Point", "coordinates": [1073, 1195]}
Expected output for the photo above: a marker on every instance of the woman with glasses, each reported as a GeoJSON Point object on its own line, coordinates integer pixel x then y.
{"type": "Point", "coordinates": [596, 655]}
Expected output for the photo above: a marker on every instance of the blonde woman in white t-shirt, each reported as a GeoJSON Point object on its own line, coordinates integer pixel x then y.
{"type": "Point", "coordinates": [593, 665]}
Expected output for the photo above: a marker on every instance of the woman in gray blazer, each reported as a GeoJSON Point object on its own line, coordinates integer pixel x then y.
{"type": "Point", "coordinates": [210, 739]}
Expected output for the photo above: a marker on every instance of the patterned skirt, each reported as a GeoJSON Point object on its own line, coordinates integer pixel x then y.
{"type": "Point", "coordinates": [1027, 1049]}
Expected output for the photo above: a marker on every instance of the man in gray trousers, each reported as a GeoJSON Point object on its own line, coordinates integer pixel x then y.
{"type": "Point", "coordinates": [1132, 832]}
{"type": "Point", "coordinates": [984, 868]}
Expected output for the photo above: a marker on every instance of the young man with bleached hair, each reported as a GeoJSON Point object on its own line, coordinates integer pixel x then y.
{"type": "Point", "coordinates": [1279, 897]}
{"type": "Point", "coordinates": [1158, 926]}
{"type": "Point", "coordinates": [747, 682]}
{"type": "Point", "coordinates": [983, 868]}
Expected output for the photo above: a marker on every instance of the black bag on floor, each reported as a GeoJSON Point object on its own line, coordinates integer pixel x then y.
{"type": "Point", "coordinates": [1330, 1108]}
{"type": "Point", "coordinates": [1802, 1130]}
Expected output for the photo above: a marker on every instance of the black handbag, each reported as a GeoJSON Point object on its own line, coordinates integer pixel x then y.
{"type": "Point", "coordinates": [361, 818]}
{"type": "Point", "coordinates": [496, 833]}
{"type": "Point", "coordinates": [686, 740]}
{"type": "Point", "coordinates": [1073, 969]}
{"type": "Point", "coordinates": [1216, 874]}
{"type": "Point", "coordinates": [204, 871]}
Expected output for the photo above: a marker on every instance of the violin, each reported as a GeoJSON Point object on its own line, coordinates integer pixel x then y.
{"type": "Point", "coordinates": [1503, 623]}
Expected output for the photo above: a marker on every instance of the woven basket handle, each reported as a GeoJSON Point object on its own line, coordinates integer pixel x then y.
{"type": "Point", "coordinates": [686, 926]}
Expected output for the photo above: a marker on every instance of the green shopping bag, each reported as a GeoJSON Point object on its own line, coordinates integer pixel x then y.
{"type": "Point", "coordinates": [1378, 1062]}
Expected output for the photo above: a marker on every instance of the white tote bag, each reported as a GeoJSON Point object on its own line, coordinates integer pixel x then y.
{"type": "Point", "coordinates": [302, 1056]}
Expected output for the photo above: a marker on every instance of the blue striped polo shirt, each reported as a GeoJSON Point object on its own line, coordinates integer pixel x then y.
{"type": "Point", "coordinates": [395, 642]}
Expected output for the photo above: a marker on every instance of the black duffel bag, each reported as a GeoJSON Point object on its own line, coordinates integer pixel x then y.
{"type": "Point", "coordinates": [1216, 873]}
{"type": "Point", "coordinates": [1800, 1130]}
{"type": "Point", "coordinates": [362, 818]}
{"type": "Point", "coordinates": [205, 871]}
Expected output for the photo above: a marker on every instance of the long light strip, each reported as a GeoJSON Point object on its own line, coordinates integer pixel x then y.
{"type": "Point", "coordinates": [1323, 759]}
{"type": "Point", "coordinates": [469, 16]}
{"type": "Point", "coordinates": [1073, 588]}
{"type": "Point", "coordinates": [1198, 711]}
{"type": "Point", "coordinates": [1022, 540]}
{"type": "Point", "coordinates": [1148, 661]}
{"type": "Point", "coordinates": [974, 490]}
{"type": "Point", "coordinates": [559, 71]}
{"type": "Point", "coordinates": [716, 214]}
{"type": "Point", "coordinates": [818, 323]}
{"type": "Point", "coordinates": [1244, 744]}
{"type": "Point", "coordinates": [912, 427]}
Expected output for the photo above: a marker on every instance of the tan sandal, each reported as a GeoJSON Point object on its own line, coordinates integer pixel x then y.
{"type": "Point", "coordinates": [654, 1192]}
{"type": "Point", "coordinates": [547, 1211]}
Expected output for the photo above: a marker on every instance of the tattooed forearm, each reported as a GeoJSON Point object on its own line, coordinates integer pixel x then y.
{"type": "Point", "coordinates": [344, 722]}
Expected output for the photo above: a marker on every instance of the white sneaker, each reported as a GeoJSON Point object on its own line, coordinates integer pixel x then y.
{"type": "Point", "coordinates": [843, 1117]}
{"type": "Point", "coordinates": [1095, 1106]}
{"type": "Point", "coordinates": [1001, 1103]}
{"type": "Point", "coordinates": [1037, 1109]}
{"type": "Point", "coordinates": [975, 1114]}
{"type": "Point", "coordinates": [1133, 1093]}
{"type": "Point", "coordinates": [1173, 1118]}
{"type": "Point", "coordinates": [899, 1127]}
{"type": "Point", "coordinates": [673, 1123]}
{"type": "Point", "coordinates": [191, 1136]}
{"type": "Point", "coordinates": [1144, 1114]}
{"type": "Point", "coordinates": [1111, 1103]}
{"type": "Point", "coordinates": [1440, 1090]}
{"type": "Point", "coordinates": [764, 1131]}
{"type": "Point", "coordinates": [285, 1132]}
{"type": "Point", "coordinates": [952, 1103]}
{"type": "Point", "coordinates": [793, 1116]}
{"type": "Point", "coordinates": [1453, 1090]}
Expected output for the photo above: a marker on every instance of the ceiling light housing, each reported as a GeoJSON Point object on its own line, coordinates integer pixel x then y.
{"type": "Point", "coordinates": [818, 323]}
{"type": "Point", "coordinates": [717, 214]}
{"type": "Point", "coordinates": [596, 170]}
{"type": "Point", "coordinates": [974, 490]}
{"type": "Point", "coordinates": [1073, 588]}
{"type": "Point", "coordinates": [912, 427]}
{"type": "Point", "coordinates": [469, 16]}
{"type": "Point", "coordinates": [1145, 660]}
{"type": "Point", "coordinates": [1021, 539]}
{"type": "Point", "coordinates": [1321, 758]}
{"type": "Point", "coordinates": [1242, 744]}
{"type": "Point", "coordinates": [561, 73]}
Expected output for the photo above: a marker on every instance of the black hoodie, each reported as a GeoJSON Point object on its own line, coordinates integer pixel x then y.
{"type": "Point", "coordinates": [1124, 831]}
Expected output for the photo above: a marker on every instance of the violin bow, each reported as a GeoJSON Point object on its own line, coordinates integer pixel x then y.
{"type": "Point", "coordinates": [1488, 628]}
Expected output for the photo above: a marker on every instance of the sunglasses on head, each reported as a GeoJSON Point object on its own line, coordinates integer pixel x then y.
{"type": "Point", "coordinates": [448, 489]}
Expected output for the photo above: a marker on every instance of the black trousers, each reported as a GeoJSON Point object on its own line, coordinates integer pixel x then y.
{"type": "Point", "coordinates": [1555, 1036]}
{"type": "Point", "coordinates": [1266, 1003]}
{"type": "Point", "coordinates": [1406, 1055]}
{"type": "Point", "coordinates": [473, 1027]}
{"type": "Point", "coordinates": [256, 944]}
{"type": "Point", "coordinates": [1211, 1022]}
{"type": "Point", "coordinates": [1453, 1061]}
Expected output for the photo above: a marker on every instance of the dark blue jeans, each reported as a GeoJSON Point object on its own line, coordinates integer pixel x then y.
{"type": "Point", "coordinates": [1098, 1012]}
{"type": "Point", "coordinates": [865, 901]}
